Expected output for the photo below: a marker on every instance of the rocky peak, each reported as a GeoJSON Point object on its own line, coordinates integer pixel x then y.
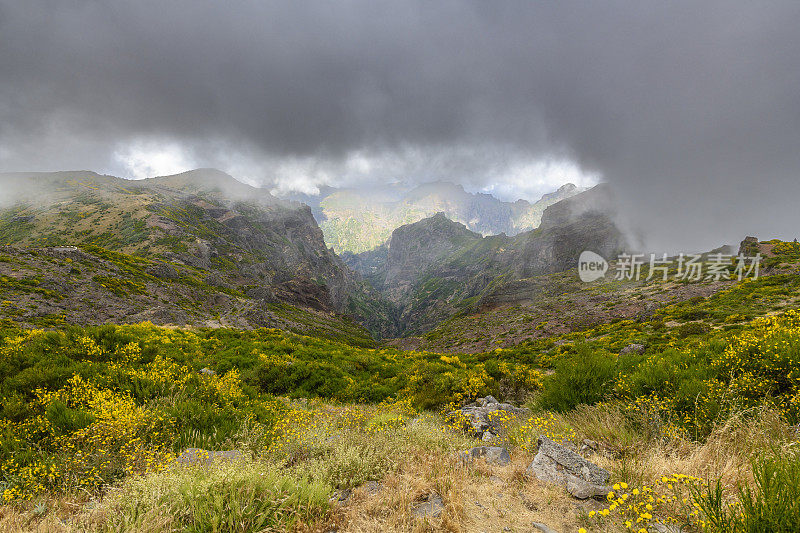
{"type": "Point", "coordinates": [415, 247]}
{"type": "Point", "coordinates": [598, 199]}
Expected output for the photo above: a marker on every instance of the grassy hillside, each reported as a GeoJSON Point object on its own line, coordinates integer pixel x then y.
{"type": "Point", "coordinates": [197, 248]}
{"type": "Point", "coordinates": [55, 287]}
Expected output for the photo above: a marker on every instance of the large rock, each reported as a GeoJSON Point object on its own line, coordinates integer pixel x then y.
{"type": "Point", "coordinates": [555, 463]}
{"type": "Point", "coordinates": [749, 246]}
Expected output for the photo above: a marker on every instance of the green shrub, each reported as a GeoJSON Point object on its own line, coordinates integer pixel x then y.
{"type": "Point", "coordinates": [65, 420]}
{"type": "Point", "coordinates": [692, 328]}
{"type": "Point", "coordinates": [583, 378]}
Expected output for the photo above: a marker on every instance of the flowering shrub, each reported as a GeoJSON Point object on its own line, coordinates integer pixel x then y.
{"type": "Point", "coordinates": [526, 434]}
{"type": "Point", "coordinates": [667, 501]}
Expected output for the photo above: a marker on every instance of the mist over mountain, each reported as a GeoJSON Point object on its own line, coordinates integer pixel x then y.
{"type": "Point", "coordinates": [250, 250]}
{"type": "Point", "coordinates": [689, 110]}
{"type": "Point", "coordinates": [358, 220]}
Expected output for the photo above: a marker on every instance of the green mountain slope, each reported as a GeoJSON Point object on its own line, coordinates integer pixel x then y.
{"type": "Point", "coordinates": [232, 236]}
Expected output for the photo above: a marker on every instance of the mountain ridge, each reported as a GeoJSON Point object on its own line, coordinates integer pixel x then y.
{"type": "Point", "coordinates": [359, 220]}
{"type": "Point", "coordinates": [435, 268]}
{"type": "Point", "coordinates": [252, 250]}
{"type": "Point", "coordinates": [265, 250]}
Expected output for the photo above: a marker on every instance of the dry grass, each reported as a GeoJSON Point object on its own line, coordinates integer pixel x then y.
{"type": "Point", "coordinates": [421, 459]}
{"type": "Point", "coordinates": [477, 498]}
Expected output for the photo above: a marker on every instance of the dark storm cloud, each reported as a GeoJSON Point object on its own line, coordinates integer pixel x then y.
{"type": "Point", "coordinates": [692, 110]}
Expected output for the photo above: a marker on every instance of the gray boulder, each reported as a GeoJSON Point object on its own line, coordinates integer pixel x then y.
{"type": "Point", "coordinates": [544, 528]}
{"type": "Point", "coordinates": [555, 463]}
{"type": "Point", "coordinates": [633, 349]}
{"type": "Point", "coordinates": [494, 455]}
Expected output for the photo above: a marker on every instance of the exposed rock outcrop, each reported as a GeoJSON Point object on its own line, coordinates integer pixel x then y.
{"type": "Point", "coordinates": [555, 463]}
{"type": "Point", "coordinates": [634, 348]}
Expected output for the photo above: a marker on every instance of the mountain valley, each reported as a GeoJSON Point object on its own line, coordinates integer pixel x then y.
{"type": "Point", "coordinates": [190, 330]}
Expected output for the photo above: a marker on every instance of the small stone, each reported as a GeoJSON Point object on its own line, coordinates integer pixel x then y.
{"type": "Point", "coordinates": [544, 528]}
{"type": "Point", "coordinates": [492, 454]}
{"type": "Point", "coordinates": [207, 372]}
{"type": "Point", "coordinates": [431, 508]}
{"type": "Point", "coordinates": [487, 436]}
{"type": "Point", "coordinates": [529, 505]}
{"type": "Point", "coordinates": [372, 487]}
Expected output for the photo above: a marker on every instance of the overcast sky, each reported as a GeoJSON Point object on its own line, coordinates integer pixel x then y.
{"type": "Point", "coordinates": [690, 109]}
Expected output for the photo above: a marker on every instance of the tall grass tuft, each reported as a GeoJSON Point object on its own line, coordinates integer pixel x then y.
{"type": "Point", "coordinates": [221, 498]}
{"type": "Point", "coordinates": [772, 504]}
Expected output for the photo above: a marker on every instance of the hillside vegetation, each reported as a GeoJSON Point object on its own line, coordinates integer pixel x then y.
{"type": "Point", "coordinates": [696, 426]}
{"type": "Point", "coordinates": [218, 252]}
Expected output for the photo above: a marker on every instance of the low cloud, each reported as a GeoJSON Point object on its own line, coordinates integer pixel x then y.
{"type": "Point", "coordinates": [691, 111]}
